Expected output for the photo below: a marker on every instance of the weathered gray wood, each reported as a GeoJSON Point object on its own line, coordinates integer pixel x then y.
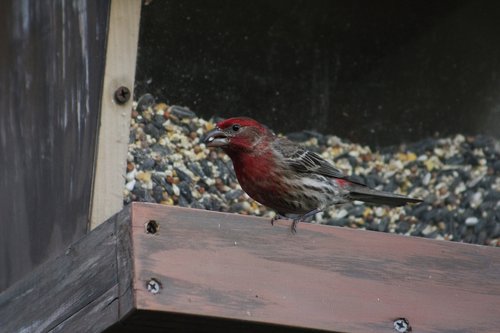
{"type": "Point", "coordinates": [93, 318]}
{"type": "Point", "coordinates": [235, 267]}
{"type": "Point", "coordinates": [68, 293]}
{"type": "Point", "coordinates": [51, 68]}
{"type": "Point", "coordinates": [125, 268]}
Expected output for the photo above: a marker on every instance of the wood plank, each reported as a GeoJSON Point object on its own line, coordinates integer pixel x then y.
{"type": "Point", "coordinates": [51, 68]}
{"type": "Point", "coordinates": [124, 253]}
{"type": "Point", "coordinates": [100, 312]}
{"type": "Point", "coordinates": [229, 272]}
{"type": "Point", "coordinates": [115, 118]}
{"type": "Point", "coordinates": [70, 292]}
{"type": "Point", "coordinates": [336, 279]}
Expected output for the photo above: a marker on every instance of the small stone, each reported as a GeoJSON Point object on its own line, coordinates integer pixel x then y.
{"type": "Point", "coordinates": [471, 221]}
{"type": "Point", "coordinates": [185, 191]}
{"type": "Point", "coordinates": [152, 130]}
{"type": "Point", "coordinates": [428, 230]}
{"type": "Point", "coordinates": [176, 190]}
{"type": "Point", "coordinates": [433, 163]}
{"type": "Point", "coordinates": [158, 121]}
{"type": "Point", "coordinates": [338, 222]}
{"type": "Point", "coordinates": [130, 185]}
{"type": "Point", "coordinates": [131, 175]}
{"type": "Point", "coordinates": [357, 211]}
{"type": "Point", "coordinates": [181, 112]}
{"type": "Point", "coordinates": [379, 211]}
{"type": "Point", "coordinates": [384, 224]}
{"type": "Point", "coordinates": [182, 201]}
{"type": "Point", "coordinates": [158, 193]}
{"type": "Point", "coordinates": [340, 214]}
{"type": "Point", "coordinates": [426, 180]}
{"type": "Point", "coordinates": [496, 166]}
{"type": "Point", "coordinates": [460, 188]}
{"type": "Point", "coordinates": [367, 212]}
{"type": "Point", "coordinates": [439, 152]}
{"type": "Point", "coordinates": [476, 200]}
{"type": "Point", "coordinates": [143, 176]}
{"type": "Point", "coordinates": [493, 195]}
{"type": "Point", "coordinates": [145, 101]}
{"type": "Point", "coordinates": [422, 158]}
{"type": "Point", "coordinates": [418, 229]}
{"type": "Point", "coordinates": [403, 227]}
{"type": "Point", "coordinates": [148, 164]}
{"type": "Point", "coordinates": [183, 175]}
{"type": "Point", "coordinates": [234, 194]}
{"type": "Point", "coordinates": [474, 181]}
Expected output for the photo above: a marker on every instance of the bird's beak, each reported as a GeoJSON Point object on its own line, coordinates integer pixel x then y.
{"type": "Point", "coordinates": [216, 138]}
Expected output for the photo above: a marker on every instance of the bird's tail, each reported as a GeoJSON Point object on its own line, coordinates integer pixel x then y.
{"type": "Point", "coordinates": [366, 194]}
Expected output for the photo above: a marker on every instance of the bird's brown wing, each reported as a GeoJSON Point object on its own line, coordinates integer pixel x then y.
{"type": "Point", "coordinates": [304, 161]}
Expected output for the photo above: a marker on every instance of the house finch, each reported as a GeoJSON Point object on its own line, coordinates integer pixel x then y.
{"type": "Point", "coordinates": [286, 177]}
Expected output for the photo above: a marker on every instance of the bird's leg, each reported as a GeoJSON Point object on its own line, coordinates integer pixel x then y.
{"type": "Point", "coordinates": [293, 229]}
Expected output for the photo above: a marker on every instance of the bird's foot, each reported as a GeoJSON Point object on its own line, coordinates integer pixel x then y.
{"type": "Point", "coordinates": [276, 218]}
{"type": "Point", "coordinates": [293, 228]}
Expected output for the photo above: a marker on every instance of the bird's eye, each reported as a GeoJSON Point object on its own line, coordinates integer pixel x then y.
{"type": "Point", "coordinates": [236, 127]}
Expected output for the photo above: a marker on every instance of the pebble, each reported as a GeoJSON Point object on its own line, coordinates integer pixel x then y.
{"type": "Point", "coordinates": [471, 221]}
{"type": "Point", "coordinates": [426, 179]}
{"type": "Point", "coordinates": [181, 112]}
{"type": "Point", "coordinates": [340, 213]}
{"type": "Point", "coordinates": [130, 185]}
{"type": "Point", "coordinates": [458, 177]}
{"type": "Point", "coordinates": [476, 199]}
{"type": "Point", "coordinates": [379, 211]}
{"type": "Point", "coordinates": [145, 101]}
{"type": "Point", "coordinates": [175, 189]}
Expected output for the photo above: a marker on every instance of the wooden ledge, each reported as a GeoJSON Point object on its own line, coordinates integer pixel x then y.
{"type": "Point", "coordinates": [194, 270]}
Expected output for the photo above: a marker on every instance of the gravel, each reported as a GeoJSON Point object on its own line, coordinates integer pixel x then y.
{"type": "Point", "coordinates": [458, 177]}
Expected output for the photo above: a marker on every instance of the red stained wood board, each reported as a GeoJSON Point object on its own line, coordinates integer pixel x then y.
{"type": "Point", "coordinates": [327, 278]}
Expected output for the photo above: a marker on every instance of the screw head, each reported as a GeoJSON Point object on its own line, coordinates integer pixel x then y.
{"type": "Point", "coordinates": [153, 286]}
{"type": "Point", "coordinates": [122, 95]}
{"type": "Point", "coordinates": [402, 325]}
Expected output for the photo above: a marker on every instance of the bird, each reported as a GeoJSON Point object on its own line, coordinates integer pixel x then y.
{"type": "Point", "coordinates": [285, 176]}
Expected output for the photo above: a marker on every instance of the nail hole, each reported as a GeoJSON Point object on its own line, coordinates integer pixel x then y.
{"type": "Point", "coordinates": [151, 227]}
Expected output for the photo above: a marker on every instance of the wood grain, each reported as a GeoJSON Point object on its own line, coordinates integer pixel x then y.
{"type": "Point", "coordinates": [233, 273]}
{"type": "Point", "coordinates": [51, 68]}
{"type": "Point", "coordinates": [87, 289]}
{"type": "Point", "coordinates": [60, 294]}
{"type": "Point", "coordinates": [115, 118]}
{"type": "Point", "coordinates": [328, 278]}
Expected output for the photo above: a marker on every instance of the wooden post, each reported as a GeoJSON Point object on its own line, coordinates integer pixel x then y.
{"type": "Point", "coordinates": [113, 136]}
{"type": "Point", "coordinates": [154, 268]}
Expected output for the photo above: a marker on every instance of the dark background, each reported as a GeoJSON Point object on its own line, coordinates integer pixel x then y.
{"type": "Point", "coordinates": [375, 72]}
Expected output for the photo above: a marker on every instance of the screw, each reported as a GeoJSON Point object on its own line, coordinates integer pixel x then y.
{"type": "Point", "coordinates": [402, 325]}
{"type": "Point", "coordinates": [151, 227]}
{"type": "Point", "coordinates": [122, 95]}
{"type": "Point", "coordinates": [153, 286]}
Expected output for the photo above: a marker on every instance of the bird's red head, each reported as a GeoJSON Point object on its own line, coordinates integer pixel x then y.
{"type": "Point", "coordinates": [237, 134]}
